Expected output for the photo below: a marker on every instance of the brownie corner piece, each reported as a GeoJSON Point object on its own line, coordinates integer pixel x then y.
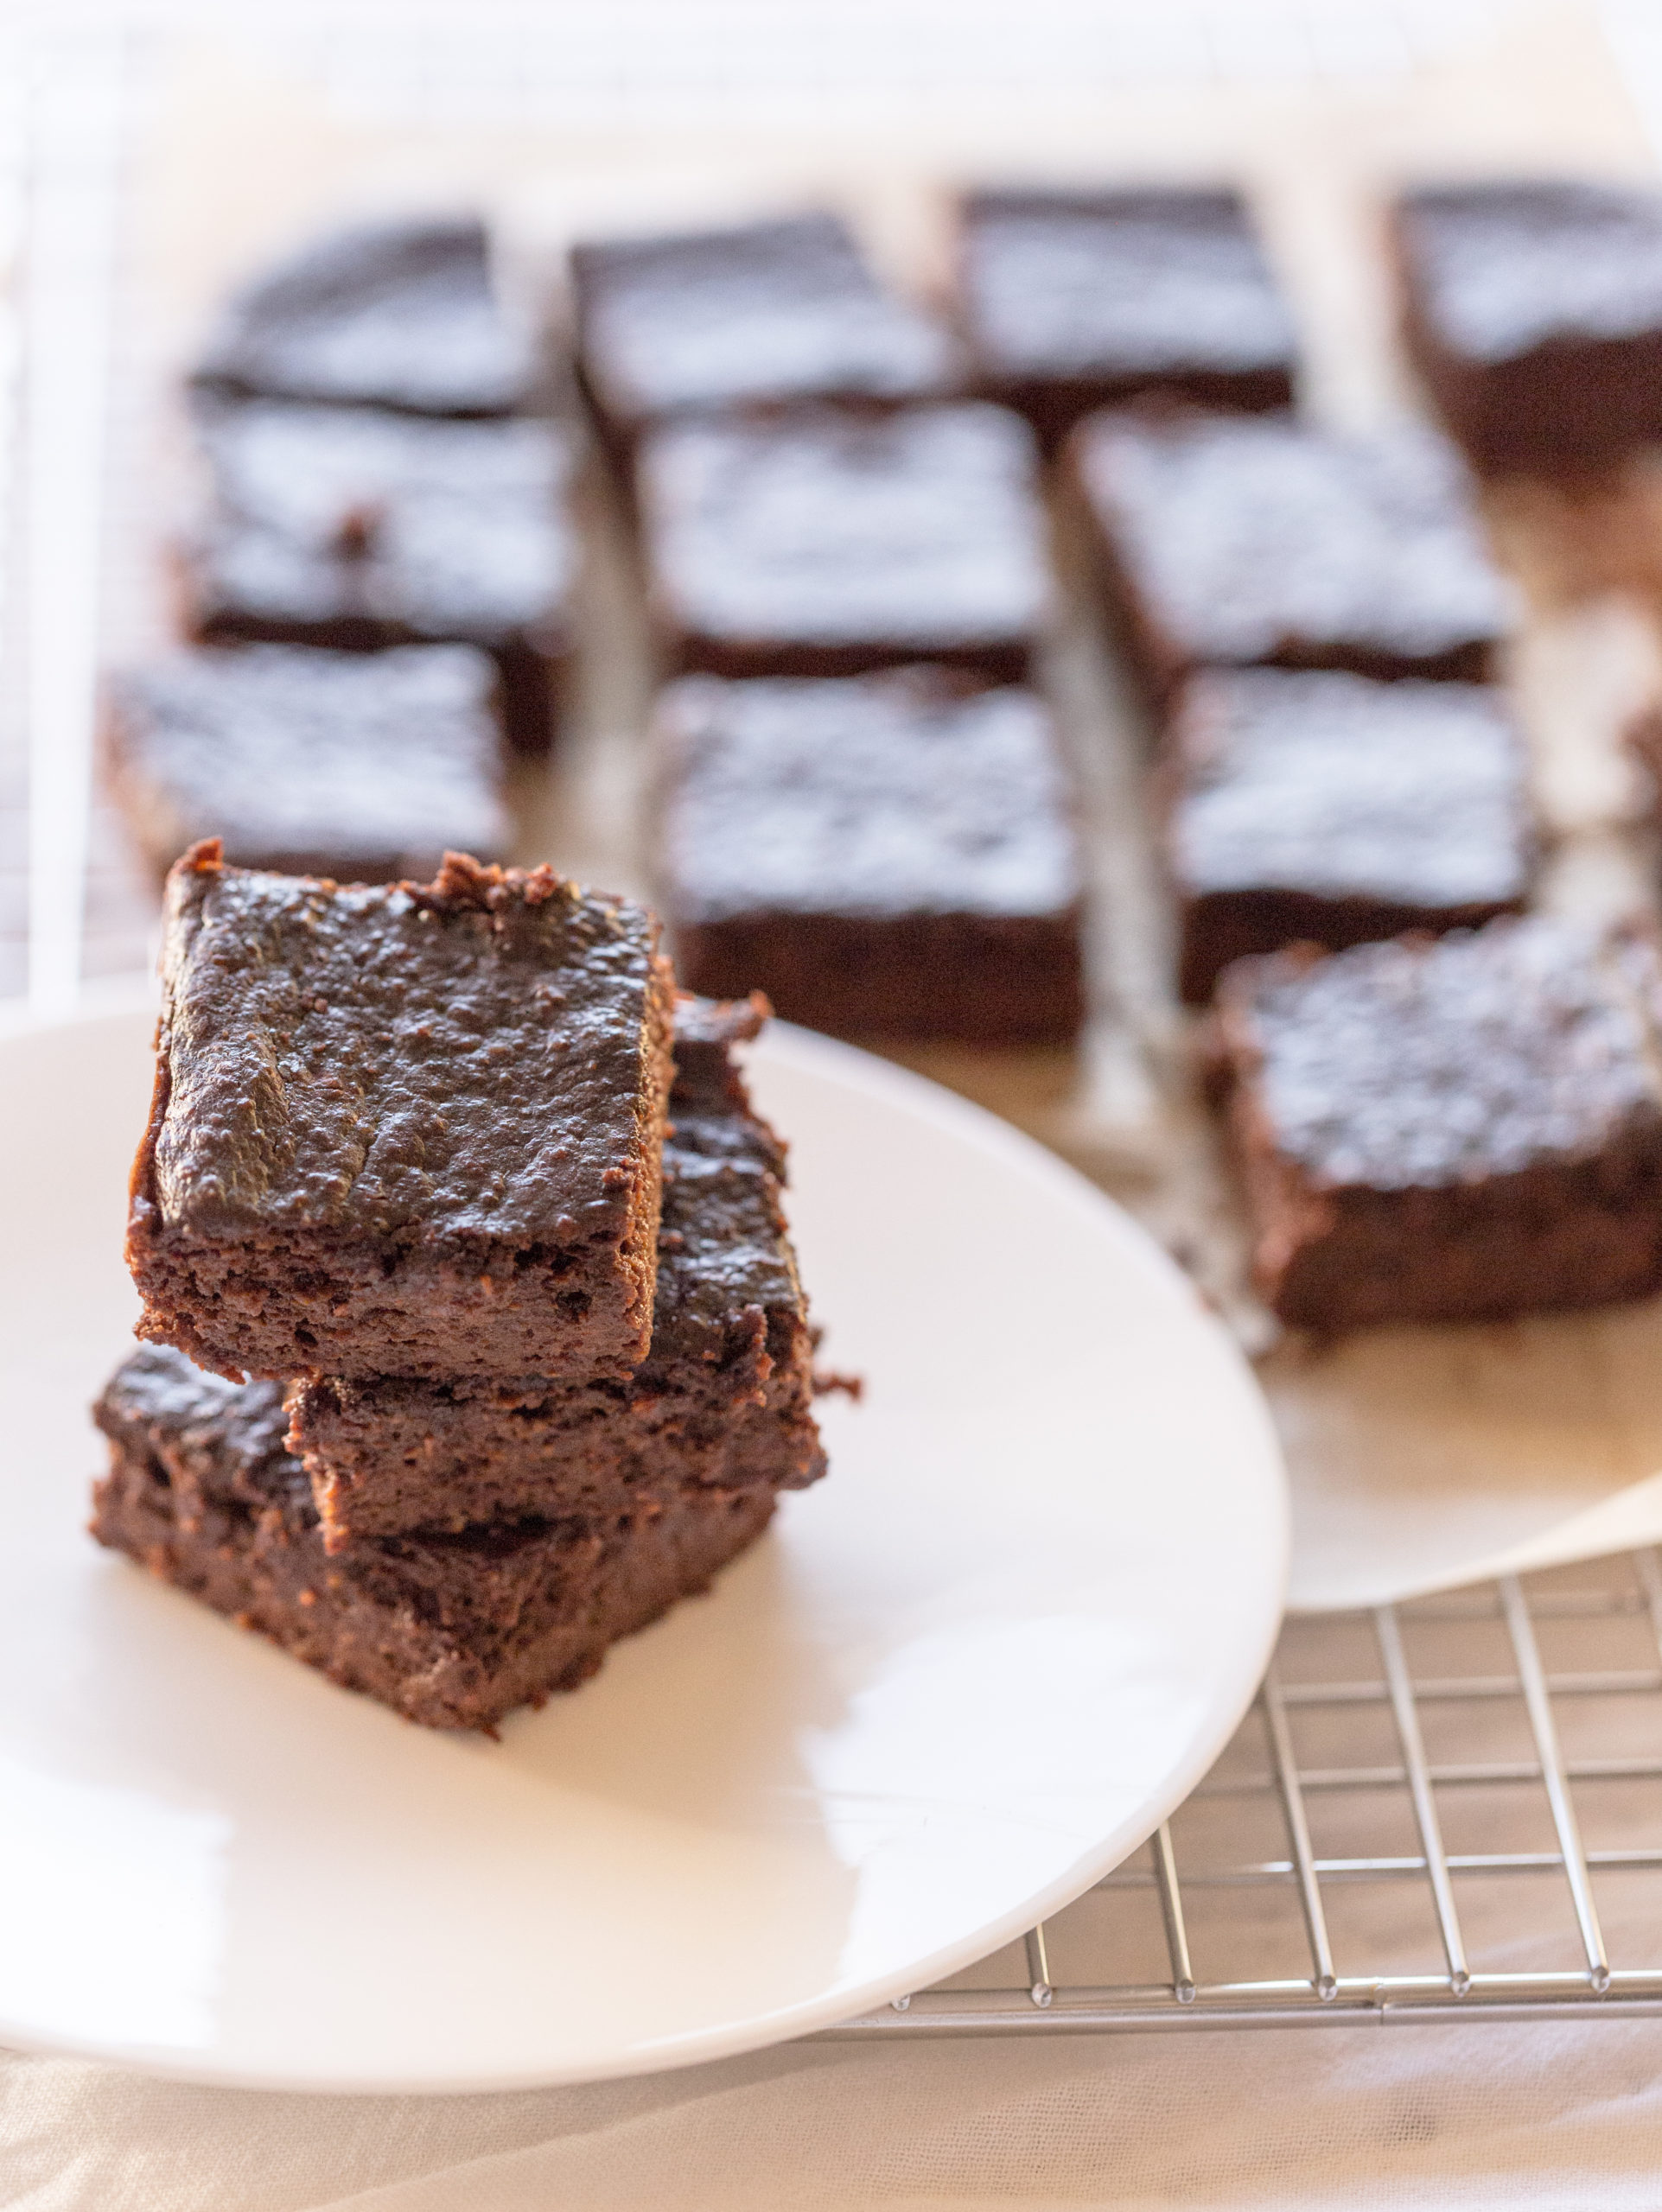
{"type": "Point", "coordinates": [892, 855]}
{"type": "Point", "coordinates": [1312, 805]}
{"type": "Point", "coordinates": [401, 315]}
{"type": "Point", "coordinates": [1077, 299]}
{"type": "Point", "coordinates": [408, 1129]}
{"type": "Point", "coordinates": [1532, 310]}
{"type": "Point", "coordinates": [1464, 1127]}
{"type": "Point", "coordinates": [451, 1630]}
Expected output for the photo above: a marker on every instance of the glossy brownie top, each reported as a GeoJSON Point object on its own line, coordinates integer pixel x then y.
{"type": "Point", "coordinates": [1242, 532]}
{"type": "Point", "coordinates": [876, 795]}
{"type": "Point", "coordinates": [1501, 268]}
{"type": "Point", "coordinates": [1410, 792]}
{"type": "Point", "coordinates": [394, 315]}
{"type": "Point", "coordinates": [922, 529]}
{"type": "Point", "coordinates": [472, 1058]}
{"type": "Point", "coordinates": [765, 313]}
{"type": "Point", "coordinates": [325, 512]}
{"type": "Point", "coordinates": [286, 748]}
{"type": "Point", "coordinates": [1119, 283]}
{"type": "Point", "coordinates": [1422, 1063]}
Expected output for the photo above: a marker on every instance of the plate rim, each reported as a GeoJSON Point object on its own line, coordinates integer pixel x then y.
{"type": "Point", "coordinates": [922, 1096]}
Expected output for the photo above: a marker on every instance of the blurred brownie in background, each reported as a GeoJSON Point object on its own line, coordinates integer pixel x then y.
{"type": "Point", "coordinates": [359, 528]}
{"type": "Point", "coordinates": [1461, 1128]}
{"type": "Point", "coordinates": [889, 855]}
{"type": "Point", "coordinates": [312, 763]}
{"type": "Point", "coordinates": [759, 316]}
{"type": "Point", "coordinates": [1234, 541]}
{"type": "Point", "coordinates": [1075, 300]}
{"type": "Point", "coordinates": [1319, 806]}
{"type": "Point", "coordinates": [1533, 312]}
{"type": "Point", "coordinates": [826, 543]}
{"type": "Point", "coordinates": [401, 315]}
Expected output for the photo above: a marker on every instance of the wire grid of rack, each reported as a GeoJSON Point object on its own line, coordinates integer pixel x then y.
{"type": "Point", "coordinates": [1373, 1766]}
{"type": "Point", "coordinates": [1433, 1723]}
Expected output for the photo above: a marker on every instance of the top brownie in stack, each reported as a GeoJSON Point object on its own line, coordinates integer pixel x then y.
{"type": "Point", "coordinates": [403, 1130]}
{"type": "Point", "coordinates": [1533, 311]}
{"type": "Point", "coordinates": [1231, 541]}
{"type": "Point", "coordinates": [759, 316]}
{"type": "Point", "coordinates": [389, 314]}
{"type": "Point", "coordinates": [1071, 300]}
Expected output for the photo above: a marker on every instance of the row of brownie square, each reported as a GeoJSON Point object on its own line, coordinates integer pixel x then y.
{"type": "Point", "coordinates": [1531, 308]}
{"type": "Point", "coordinates": [527, 1417]}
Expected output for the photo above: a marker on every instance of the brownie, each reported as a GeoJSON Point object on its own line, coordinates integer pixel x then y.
{"type": "Point", "coordinates": [1533, 312]}
{"type": "Point", "coordinates": [450, 1630]}
{"type": "Point", "coordinates": [1306, 804]}
{"type": "Point", "coordinates": [356, 528]}
{"type": "Point", "coordinates": [404, 1130]}
{"type": "Point", "coordinates": [1449, 1128]}
{"type": "Point", "coordinates": [400, 314]}
{"type": "Point", "coordinates": [826, 543]}
{"type": "Point", "coordinates": [724, 1400]}
{"type": "Point", "coordinates": [759, 315]}
{"type": "Point", "coordinates": [312, 763]}
{"type": "Point", "coordinates": [890, 855]}
{"type": "Point", "coordinates": [1075, 300]}
{"type": "Point", "coordinates": [1230, 540]}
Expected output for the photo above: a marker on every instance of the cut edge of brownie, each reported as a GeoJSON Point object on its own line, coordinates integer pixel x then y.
{"type": "Point", "coordinates": [184, 1277]}
{"type": "Point", "coordinates": [450, 1632]}
{"type": "Point", "coordinates": [1559, 1234]}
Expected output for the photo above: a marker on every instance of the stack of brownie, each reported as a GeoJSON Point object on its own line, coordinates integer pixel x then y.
{"type": "Point", "coordinates": [380, 485]}
{"type": "Point", "coordinates": [862, 809]}
{"type": "Point", "coordinates": [462, 1359]}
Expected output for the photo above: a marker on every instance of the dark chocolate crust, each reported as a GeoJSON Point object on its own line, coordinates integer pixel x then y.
{"type": "Point", "coordinates": [826, 543]}
{"type": "Point", "coordinates": [1234, 541]}
{"type": "Point", "coordinates": [391, 315]}
{"type": "Point", "coordinates": [1460, 1129]}
{"type": "Point", "coordinates": [760, 315]}
{"type": "Point", "coordinates": [1074, 300]}
{"type": "Point", "coordinates": [884, 856]}
{"type": "Point", "coordinates": [411, 1130]}
{"type": "Point", "coordinates": [1325, 808]}
{"type": "Point", "coordinates": [452, 1632]}
{"type": "Point", "coordinates": [722, 1400]}
{"type": "Point", "coordinates": [358, 530]}
{"type": "Point", "coordinates": [311, 762]}
{"type": "Point", "coordinates": [1533, 312]}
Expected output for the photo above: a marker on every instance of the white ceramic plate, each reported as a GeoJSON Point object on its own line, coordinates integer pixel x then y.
{"type": "Point", "coordinates": [954, 1684]}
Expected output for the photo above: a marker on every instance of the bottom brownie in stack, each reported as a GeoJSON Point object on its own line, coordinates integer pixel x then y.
{"type": "Point", "coordinates": [481, 1544]}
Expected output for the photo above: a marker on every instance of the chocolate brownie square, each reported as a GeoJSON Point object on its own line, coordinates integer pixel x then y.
{"type": "Point", "coordinates": [1075, 300]}
{"type": "Point", "coordinates": [452, 1632]}
{"type": "Point", "coordinates": [890, 855]}
{"type": "Point", "coordinates": [1230, 540]}
{"type": "Point", "coordinates": [1461, 1127]}
{"type": "Point", "coordinates": [758, 315]}
{"type": "Point", "coordinates": [355, 529]}
{"type": "Point", "coordinates": [312, 763]}
{"type": "Point", "coordinates": [826, 543]}
{"type": "Point", "coordinates": [724, 1400]}
{"type": "Point", "coordinates": [1305, 804]}
{"type": "Point", "coordinates": [1533, 312]}
{"type": "Point", "coordinates": [400, 314]}
{"type": "Point", "coordinates": [404, 1130]}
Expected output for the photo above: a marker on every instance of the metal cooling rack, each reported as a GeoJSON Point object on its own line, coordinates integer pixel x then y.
{"type": "Point", "coordinates": [1378, 1743]}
